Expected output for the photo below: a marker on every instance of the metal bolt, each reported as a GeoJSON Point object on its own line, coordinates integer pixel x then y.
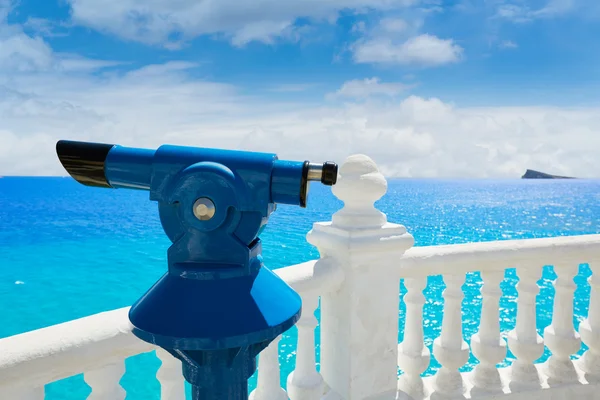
{"type": "Point", "coordinates": [204, 209]}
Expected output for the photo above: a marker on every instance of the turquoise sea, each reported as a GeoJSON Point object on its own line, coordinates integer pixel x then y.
{"type": "Point", "coordinates": [67, 251]}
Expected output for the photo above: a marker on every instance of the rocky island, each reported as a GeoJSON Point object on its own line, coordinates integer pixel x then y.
{"type": "Point", "coordinates": [532, 174]}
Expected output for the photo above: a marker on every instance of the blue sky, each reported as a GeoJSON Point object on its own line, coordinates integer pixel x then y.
{"type": "Point", "coordinates": [500, 47]}
{"type": "Point", "coordinates": [264, 65]}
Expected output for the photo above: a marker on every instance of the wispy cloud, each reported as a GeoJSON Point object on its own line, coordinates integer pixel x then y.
{"type": "Point", "coordinates": [423, 50]}
{"type": "Point", "coordinates": [291, 87]}
{"type": "Point", "coordinates": [45, 27]}
{"type": "Point", "coordinates": [520, 13]}
{"type": "Point", "coordinates": [407, 136]}
{"type": "Point", "coordinates": [401, 41]}
{"type": "Point", "coordinates": [365, 88]}
{"type": "Point", "coordinates": [508, 44]}
{"type": "Point", "coordinates": [156, 22]}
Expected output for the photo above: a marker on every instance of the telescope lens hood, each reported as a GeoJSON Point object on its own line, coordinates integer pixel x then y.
{"type": "Point", "coordinates": [84, 161]}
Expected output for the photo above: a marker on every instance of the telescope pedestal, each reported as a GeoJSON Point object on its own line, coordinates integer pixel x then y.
{"type": "Point", "coordinates": [216, 326]}
{"type": "Point", "coordinates": [224, 376]}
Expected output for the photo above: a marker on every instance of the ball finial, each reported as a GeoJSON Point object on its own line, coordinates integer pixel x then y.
{"type": "Point", "coordinates": [359, 186]}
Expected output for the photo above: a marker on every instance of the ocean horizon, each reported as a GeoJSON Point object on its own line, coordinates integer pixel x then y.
{"type": "Point", "coordinates": [68, 251]}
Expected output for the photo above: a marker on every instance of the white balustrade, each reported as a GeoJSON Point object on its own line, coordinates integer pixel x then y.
{"type": "Point", "coordinates": [268, 386]}
{"type": "Point", "coordinates": [589, 329]}
{"type": "Point", "coordinates": [105, 382]}
{"type": "Point", "coordinates": [450, 349]}
{"type": "Point", "coordinates": [524, 341]}
{"type": "Point", "coordinates": [305, 383]}
{"type": "Point", "coordinates": [487, 344]}
{"type": "Point", "coordinates": [413, 355]}
{"type": "Point", "coordinates": [363, 257]}
{"type": "Point", "coordinates": [561, 337]}
{"type": "Point", "coordinates": [170, 376]}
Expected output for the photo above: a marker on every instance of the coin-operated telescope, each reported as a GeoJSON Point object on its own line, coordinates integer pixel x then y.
{"type": "Point", "coordinates": [217, 307]}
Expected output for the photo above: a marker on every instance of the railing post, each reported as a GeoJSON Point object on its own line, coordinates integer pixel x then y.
{"type": "Point", "coordinates": [172, 386]}
{"type": "Point", "coordinates": [487, 344]}
{"type": "Point", "coordinates": [449, 348]}
{"type": "Point", "coordinates": [105, 382]}
{"type": "Point", "coordinates": [561, 337]}
{"type": "Point", "coordinates": [589, 329]}
{"type": "Point", "coordinates": [413, 355]}
{"type": "Point", "coordinates": [268, 386]}
{"type": "Point", "coordinates": [305, 383]}
{"type": "Point", "coordinates": [359, 322]}
{"type": "Point", "coordinates": [524, 341]}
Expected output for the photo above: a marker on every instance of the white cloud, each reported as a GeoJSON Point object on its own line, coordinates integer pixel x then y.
{"type": "Point", "coordinates": [398, 41]}
{"type": "Point", "coordinates": [5, 7]}
{"type": "Point", "coordinates": [508, 44]}
{"type": "Point", "coordinates": [44, 27]}
{"type": "Point", "coordinates": [394, 25]}
{"type": "Point", "coordinates": [156, 21]}
{"type": "Point", "coordinates": [423, 50]}
{"type": "Point", "coordinates": [291, 87]}
{"type": "Point", "coordinates": [359, 27]}
{"type": "Point", "coordinates": [364, 88]}
{"type": "Point", "coordinates": [19, 52]}
{"type": "Point", "coordinates": [46, 96]}
{"type": "Point", "coordinates": [413, 136]}
{"type": "Point", "coordinates": [555, 7]}
{"type": "Point", "coordinates": [520, 13]}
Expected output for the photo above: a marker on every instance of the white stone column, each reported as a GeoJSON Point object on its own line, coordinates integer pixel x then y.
{"type": "Point", "coordinates": [170, 376]}
{"type": "Point", "coordinates": [305, 382]}
{"type": "Point", "coordinates": [359, 322]}
{"type": "Point", "coordinates": [449, 348]}
{"type": "Point", "coordinates": [268, 386]}
{"type": "Point", "coordinates": [413, 355]}
{"type": "Point", "coordinates": [524, 341]}
{"type": "Point", "coordinates": [105, 382]}
{"type": "Point", "coordinates": [561, 337]}
{"type": "Point", "coordinates": [589, 329]}
{"type": "Point", "coordinates": [487, 344]}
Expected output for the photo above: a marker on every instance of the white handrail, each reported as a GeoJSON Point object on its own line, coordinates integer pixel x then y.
{"type": "Point", "coordinates": [60, 351]}
{"type": "Point", "coordinates": [497, 255]}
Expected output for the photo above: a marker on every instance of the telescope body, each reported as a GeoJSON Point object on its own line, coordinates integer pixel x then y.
{"type": "Point", "coordinates": [217, 306]}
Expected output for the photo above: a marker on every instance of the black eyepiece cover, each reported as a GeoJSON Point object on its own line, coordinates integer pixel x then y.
{"type": "Point", "coordinates": [84, 161]}
{"type": "Point", "coordinates": [329, 174]}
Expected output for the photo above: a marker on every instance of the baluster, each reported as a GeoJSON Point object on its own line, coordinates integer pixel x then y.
{"type": "Point", "coordinates": [305, 383]}
{"type": "Point", "coordinates": [170, 376]}
{"type": "Point", "coordinates": [268, 386]}
{"type": "Point", "coordinates": [487, 345]}
{"type": "Point", "coordinates": [561, 337]}
{"type": "Point", "coordinates": [524, 341]}
{"type": "Point", "coordinates": [449, 348]}
{"type": "Point", "coordinates": [413, 355]}
{"type": "Point", "coordinates": [105, 382]}
{"type": "Point", "coordinates": [589, 329]}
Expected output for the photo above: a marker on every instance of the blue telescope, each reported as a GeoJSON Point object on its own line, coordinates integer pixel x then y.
{"type": "Point", "coordinates": [217, 307]}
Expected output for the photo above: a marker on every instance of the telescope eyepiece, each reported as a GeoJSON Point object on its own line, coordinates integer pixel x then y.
{"type": "Point", "coordinates": [326, 173]}
{"type": "Point", "coordinates": [84, 161]}
{"type": "Point", "coordinates": [330, 172]}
